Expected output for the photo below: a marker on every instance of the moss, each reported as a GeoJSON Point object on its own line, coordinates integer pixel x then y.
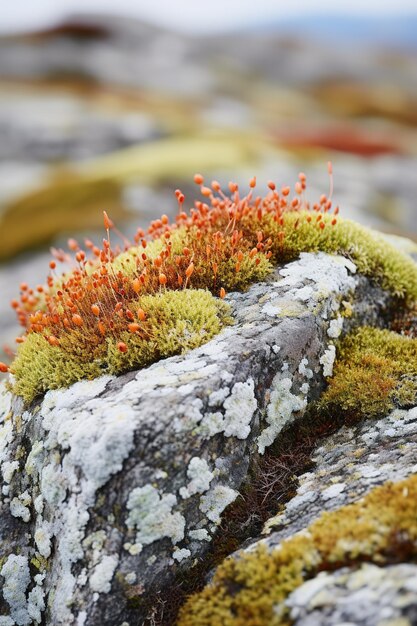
{"type": "Point", "coordinates": [376, 370]}
{"type": "Point", "coordinates": [68, 199]}
{"type": "Point", "coordinates": [181, 238]}
{"type": "Point", "coordinates": [176, 321]}
{"type": "Point", "coordinates": [250, 590]}
{"type": "Point", "coordinates": [92, 320]}
{"type": "Point", "coordinates": [373, 255]}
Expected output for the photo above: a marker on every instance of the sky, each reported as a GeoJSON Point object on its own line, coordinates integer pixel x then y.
{"type": "Point", "coordinates": [193, 15]}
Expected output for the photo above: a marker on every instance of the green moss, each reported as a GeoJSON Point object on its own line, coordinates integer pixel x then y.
{"type": "Point", "coordinates": [373, 255]}
{"type": "Point", "coordinates": [375, 371]}
{"type": "Point", "coordinates": [176, 321]}
{"type": "Point", "coordinates": [250, 272]}
{"type": "Point", "coordinates": [55, 208]}
{"type": "Point", "coordinates": [250, 590]}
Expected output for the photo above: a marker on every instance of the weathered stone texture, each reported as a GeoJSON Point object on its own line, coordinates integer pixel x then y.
{"type": "Point", "coordinates": [112, 487]}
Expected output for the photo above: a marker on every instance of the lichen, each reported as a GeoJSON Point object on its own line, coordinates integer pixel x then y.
{"type": "Point", "coordinates": [16, 576]}
{"type": "Point", "coordinates": [327, 360]}
{"type": "Point", "coordinates": [281, 408]}
{"type": "Point", "coordinates": [214, 502]}
{"type": "Point", "coordinates": [239, 409]}
{"type": "Point", "coordinates": [375, 371]}
{"type": "Point", "coordinates": [200, 477]}
{"type": "Point", "coordinates": [181, 554]}
{"type": "Point", "coordinates": [250, 589]}
{"type": "Point", "coordinates": [19, 506]}
{"type": "Point", "coordinates": [151, 515]}
{"type": "Point", "coordinates": [100, 580]}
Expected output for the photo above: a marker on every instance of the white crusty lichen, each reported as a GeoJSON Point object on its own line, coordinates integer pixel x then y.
{"type": "Point", "coordinates": [282, 405]}
{"type": "Point", "coordinates": [180, 554]}
{"type": "Point", "coordinates": [333, 491]}
{"type": "Point", "coordinates": [335, 327]}
{"type": "Point", "coordinates": [100, 580]}
{"type": "Point", "coordinates": [200, 534]}
{"type": "Point", "coordinates": [211, 424]}
{"type": "Point", "coordinates": [8, 468]}
{"type": "Point", "coordinates": [219, 396]}
{"type": "Point", "coordinates": [304, 370]}
{"type": "Point", "coordinates": [96, 435]}
{"type": "Point", "coordinates": [131, 578]}
{"type": "Point", "coordinates": [36, 603]}
{"type": "Point", "coordinates": [53, 484]}
{"type": "Point", "coordinates": [216, 500]}
{"type": "Point", "coordinates": [150, 514]}
{"type": "Point", "coordinates": [239, 409]}
{"type": "Point", "coordinates": [19, 506]}
{"type": "Point", "coordinates": [34, 460]}
{"type": "Point", "coordinates": [327, 360]}
{"type": "Point", "coordinates": [200, 477]}
{"type": "Point", "coordinates": [329, 275]}
{"type": "Point", "coordinates": [16, 576]}
{"type": "Point", "coordinates": [43, 539]}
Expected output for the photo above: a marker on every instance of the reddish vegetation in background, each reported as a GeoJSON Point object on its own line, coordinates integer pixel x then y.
{"type": "Point", "coordinates": [342, 139]}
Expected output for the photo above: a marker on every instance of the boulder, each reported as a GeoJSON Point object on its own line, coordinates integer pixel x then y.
{"type": "Point", "coordinates": [114, 491]}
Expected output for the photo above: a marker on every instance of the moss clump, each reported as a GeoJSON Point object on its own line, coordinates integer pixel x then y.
{"type": "Point", "coordinates": [250, 590]}
{"type": "Point", "coordinates": [392, 269]}
{"type": "Point", "coordinates": [176, 321]}
{"type": "Point", "coordinates": [95, 315]}
{"type": "Point", "coordinates": [69, 198]}
{"type": "Point", "coordinates": [376, 370]}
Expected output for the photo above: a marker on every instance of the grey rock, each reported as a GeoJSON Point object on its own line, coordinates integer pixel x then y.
{"type": "Point", "coordinates": [347, 465]}
{"type": "Point", "coordinates": [113, 488]}
{"type": "Point", "coordinates": [367, 596]}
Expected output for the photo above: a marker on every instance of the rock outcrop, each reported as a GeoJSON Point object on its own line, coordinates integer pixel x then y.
{"type": "Point", "coordinates": [113, 492]}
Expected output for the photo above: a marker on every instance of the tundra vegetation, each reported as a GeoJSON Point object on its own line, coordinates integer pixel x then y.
{"type": "Point", "coordinates": [121, 307]}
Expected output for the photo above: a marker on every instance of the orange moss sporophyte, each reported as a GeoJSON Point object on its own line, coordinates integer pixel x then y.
{"type": "Point", "coordinates": [111, 311]}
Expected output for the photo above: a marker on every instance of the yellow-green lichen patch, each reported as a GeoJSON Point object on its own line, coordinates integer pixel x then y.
{"type": "Point", "coordinates": [251, 590]}
{"type": "Point", "coordinates": [176, 321]}
{"type": "Point", "coordinates": [375, 371]}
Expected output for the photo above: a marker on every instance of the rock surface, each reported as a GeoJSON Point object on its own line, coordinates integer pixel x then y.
{"type": "Point", "coordinates": [367, 596]}
{"type": "Point", "coordinates": [111, 490]}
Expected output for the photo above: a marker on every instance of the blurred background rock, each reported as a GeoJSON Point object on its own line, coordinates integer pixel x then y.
{"type": "Point", "coordinates": [113, 111]}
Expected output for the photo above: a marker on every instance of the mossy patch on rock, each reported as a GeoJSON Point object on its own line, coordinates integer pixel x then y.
{"type": "Point", "coordinates": [250, 590]}
{"type": "Point", "coordinates": [375, 371]}
{"type": "Point", "coordinates": [176, 321]}
{"type": "Point", "coordinates": [372, 254]}
{"type": "Point", "coordinates": [118, 310]}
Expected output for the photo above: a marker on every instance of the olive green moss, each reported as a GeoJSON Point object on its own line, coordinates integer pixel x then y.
{"type": "Point", "coordinates": [373, 255]}
{"type": "Point", "coordinates": [250, 590]}
{"type": "Point", "coordinates": [375, 371]}
{"type": "Point", "coordinates": [176, 321]}
{"type": "Point", "coordinates": [249, 272]}
{"type": "Point", "coordinates": [67, 200]}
